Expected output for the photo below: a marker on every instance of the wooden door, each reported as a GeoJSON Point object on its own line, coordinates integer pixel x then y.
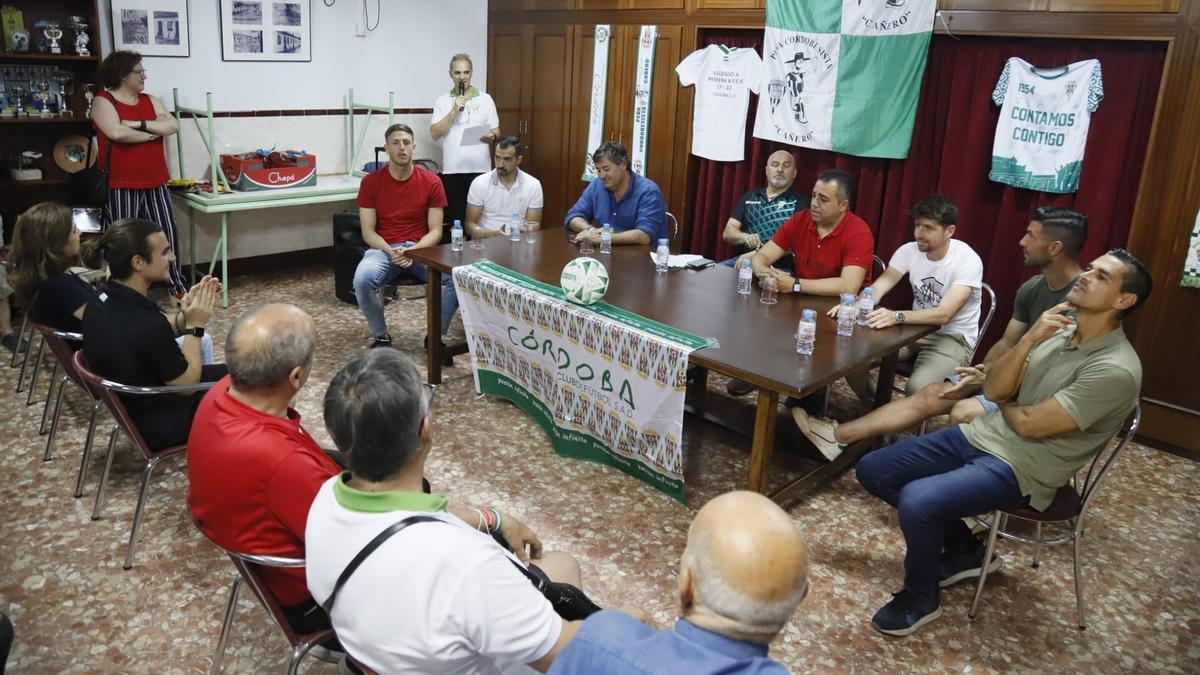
{"type": "Point", "coordinates": [508, 80]}
{"type": "Point", "coordinates": [550, 50]}
{"type": "Point", "coordinates": [582, 63]}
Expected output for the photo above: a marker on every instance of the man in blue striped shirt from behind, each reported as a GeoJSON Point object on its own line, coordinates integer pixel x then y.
{"type": "Point", "coordinates": [744, 571]}
{"type": "Point", "coordinates": [632, 204]}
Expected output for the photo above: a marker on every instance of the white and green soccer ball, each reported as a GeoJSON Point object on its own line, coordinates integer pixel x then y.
{"type": "Point", "coordinates": [584, 281]}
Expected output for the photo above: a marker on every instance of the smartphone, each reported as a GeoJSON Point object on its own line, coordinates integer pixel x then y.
{"type": "Point", "coordinates": [86, 219]}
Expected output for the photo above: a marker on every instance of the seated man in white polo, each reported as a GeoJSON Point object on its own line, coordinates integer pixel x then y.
{"type": "Point", "coordinates": [495, 196]}
{"type": "Point", "coordinates": [493, 199]}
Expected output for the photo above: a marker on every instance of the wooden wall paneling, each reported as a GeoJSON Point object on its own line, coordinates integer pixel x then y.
{"type": "Point", "coordinates": [1169, 197]}
{"type": "Point", "coordinates": [549, 4]}
{"type": "Point", "coordinates": [679, 201]}
{"type": "Point", "coordinates": [661, 148]}
{"type": "Point", "coordinates": [1118, 6]}
{"type": "Point", "coordinates": [730, 4]}
{"type": "Point", "coordinates": [584, 40]}
{"type": "Point", "coordinates": [652, 4]}
{"type": "Point", "coordinates": [550, 102]}
{"type": "Point", "coordinates": [508, 77]}
{"type": "Point", "coordinates": [597, 4]}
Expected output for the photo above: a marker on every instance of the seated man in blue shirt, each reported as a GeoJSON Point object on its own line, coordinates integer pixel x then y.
{"type": "Point", "coordinates": [744, 571]}
{"type": "Point", "coordinates": [632, 204]}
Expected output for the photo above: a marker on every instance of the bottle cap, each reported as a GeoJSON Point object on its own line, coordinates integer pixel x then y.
{"type": "Point", "coordinates": [868, 292]}
{"type": "Point", "coordinates": [457, 223]}
{"type": "Point", "coordinates": [808, 315]}
{"type": "Point", "coordinates": [847, 298]}
{"type": "Point", "coordinates": [664, 242]}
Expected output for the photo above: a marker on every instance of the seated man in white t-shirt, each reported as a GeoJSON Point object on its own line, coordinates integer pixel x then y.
{"type": "Point", "coordinates": [495, 196]}
{"type": "Point", "coordinates": [946, 277]}
{"type": "Point", "coordinates": [435, 597]}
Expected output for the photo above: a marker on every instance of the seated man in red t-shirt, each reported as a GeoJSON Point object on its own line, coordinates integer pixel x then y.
{"type": "Point", "coordinates": [253, 470]}
{"type": "Point", "coordinates": [833, 250]}
{"type": "Point", "coordinates": [400, 206]}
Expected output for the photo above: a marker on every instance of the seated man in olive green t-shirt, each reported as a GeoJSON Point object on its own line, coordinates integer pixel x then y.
{"type": "Point", "coordinates": [1063, 391]}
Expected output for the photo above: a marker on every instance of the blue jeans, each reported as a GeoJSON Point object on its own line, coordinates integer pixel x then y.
{"type": "Point", "coordinates": [934, 481]}
{"type": "Point", "coordinates": [376, 270]}
{"type": "Point", "coordinates": [206, 348]}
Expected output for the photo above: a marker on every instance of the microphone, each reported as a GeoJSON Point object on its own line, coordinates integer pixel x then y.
{"type": "Point", "coordinates": [461, 90]}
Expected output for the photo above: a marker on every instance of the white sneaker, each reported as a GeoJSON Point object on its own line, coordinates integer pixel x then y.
{"type": "Point", "coordinates": [820, 432]}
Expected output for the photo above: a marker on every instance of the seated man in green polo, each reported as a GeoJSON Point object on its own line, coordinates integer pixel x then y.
{"type": "Point", "coordinates": [1064, 390]}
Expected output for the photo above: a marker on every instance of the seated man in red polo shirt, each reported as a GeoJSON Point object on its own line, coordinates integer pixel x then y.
{"type": "Point", "coordinates": [253, 470]}
{"type": "Point", "coordinates": [832, 248]}
{"type": "Point", "coordinates": [400, 208]}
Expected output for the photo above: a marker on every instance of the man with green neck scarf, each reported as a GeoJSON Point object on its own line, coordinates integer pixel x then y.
{"type": "Point", "coordinates": [436, 596]}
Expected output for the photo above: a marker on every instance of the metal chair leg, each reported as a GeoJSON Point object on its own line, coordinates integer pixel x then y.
{"type": "Point", "coordinates": [25, 364]}
{"type": "Point", "coordinates": [1078, 553]}
{"type": "Point", "coordinates": [87, 450]}
{"type": "Point", "coordinates": [49, 395]}
{"type": "Point", "coordinates": [112, 442]}
{"type": "Point", "coordinates": [139, 511]}
{"type": "Point", "coordinates": [62, 386]}
{"type": "Point", "coordinates": [226, 625]}
{"type": "Point", "coordinates": [33, 378]}
{"type": "Point", "coordinates": [998, 523]}
{"type": "Point", "coordinates": [20, 336]}
{"type": "Point", "coordinates": [1037, 546]}
{"type": "Point", "coordinates": [298, 653]}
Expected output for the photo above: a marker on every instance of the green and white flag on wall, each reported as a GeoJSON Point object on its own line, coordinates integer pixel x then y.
{"type": "Point", "coordinates": [844, 75]}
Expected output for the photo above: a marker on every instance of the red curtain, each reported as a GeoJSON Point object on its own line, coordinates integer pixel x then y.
{"type": "Point", "coordinates": [951, 154]}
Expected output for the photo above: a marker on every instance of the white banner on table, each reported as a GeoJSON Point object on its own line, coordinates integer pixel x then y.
{"type": "Point", "coordinates": [642, 80]}
{"type": "Point", "coordinates": [607, 385]}
{"type": "Point", "coordinates": [599, 87]}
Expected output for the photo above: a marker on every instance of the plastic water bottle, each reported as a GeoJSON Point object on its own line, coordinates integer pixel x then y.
{"type": "Point", "coordinates": [806, 333]}
{"type": "Point", "coordinates": [866, 305]}
{"type": "Point", "coordinates": [456, 236]}
{"type": "Point", "coordinates": [845, 317]}
{"type": "Point", "coordinates": [745, 277]}
{"type": "Point", "coordinates": [661, 255]}
{"type": "Point", "coordinates": [606, 234]}
{"type": "Point", "coordinates": [514, 228]}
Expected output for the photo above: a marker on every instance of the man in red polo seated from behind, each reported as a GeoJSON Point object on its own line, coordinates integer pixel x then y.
{"type": "Point", "coordinates": [253, 471]}
{"type": "Point", "coordinates": [832, 247]}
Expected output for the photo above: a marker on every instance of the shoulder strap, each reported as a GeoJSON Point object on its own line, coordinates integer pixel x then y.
{"type": "Point", "coordinates": [368, 550]}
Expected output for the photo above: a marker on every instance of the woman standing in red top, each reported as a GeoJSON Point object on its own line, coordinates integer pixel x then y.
{"type": "Point", "coordinates": [131, 124]}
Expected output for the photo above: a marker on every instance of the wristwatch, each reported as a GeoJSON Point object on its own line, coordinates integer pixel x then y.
{"type": "Point", "coordinates": [198, 331]}
{"type": "Point", "coordinates": [899, 318]}
{"type": "Point", "coordinates": [795, 285]}
{"type": "Point", "coordinates": [142, 126]}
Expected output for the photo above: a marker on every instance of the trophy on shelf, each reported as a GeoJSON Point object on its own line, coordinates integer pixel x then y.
{"type": "Point", "coordinates": [89, 93]}
{"type": "Point", "coordinates": [44, 96]}
{"type": "Point", "coordinates": [79, 25]}
{"type": "Point", "coordinates": [64, 79]}
{"type": "Point", "coordinates": [19, 94]}
{"type": "Point", "coordinates": [53, 33]}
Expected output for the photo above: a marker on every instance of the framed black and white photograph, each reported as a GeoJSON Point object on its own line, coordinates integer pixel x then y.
{"type": "Point", "coordinates": [151, 27]}
{"type": "Point", "coordinates": [266, 30]}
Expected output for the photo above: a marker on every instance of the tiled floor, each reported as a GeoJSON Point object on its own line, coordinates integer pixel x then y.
{"type": "Point", "coordinates": [75, 610]}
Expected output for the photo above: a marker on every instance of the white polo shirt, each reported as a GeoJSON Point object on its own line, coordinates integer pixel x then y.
{"type": "Point", "coordinates": [479, 110]}
{"type": "Point", "coordinates": [434, 598]}
{"type": "Point", "coordinates": [499, 202]}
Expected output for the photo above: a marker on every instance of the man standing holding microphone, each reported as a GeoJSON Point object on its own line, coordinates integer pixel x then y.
{"type": "Point", "coordinates": [465, 123]}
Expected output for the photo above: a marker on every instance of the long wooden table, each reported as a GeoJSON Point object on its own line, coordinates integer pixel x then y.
{"type": "Point", "coordinates": [754, 342]}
